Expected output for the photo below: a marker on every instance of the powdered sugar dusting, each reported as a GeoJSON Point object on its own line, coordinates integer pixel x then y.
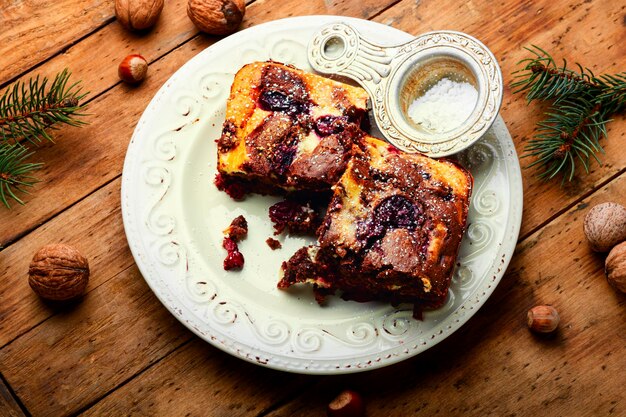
{"type": "Point", "coordinates": [445, 106]}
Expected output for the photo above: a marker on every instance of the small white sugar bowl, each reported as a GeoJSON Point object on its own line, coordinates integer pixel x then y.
{"type": "Point", "coordinates": [396, 76]}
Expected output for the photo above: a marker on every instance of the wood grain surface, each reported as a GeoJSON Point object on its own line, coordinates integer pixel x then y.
{"type": "Point", "coordinates": [118, 351]}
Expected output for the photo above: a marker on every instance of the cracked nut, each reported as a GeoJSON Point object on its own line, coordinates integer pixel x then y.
{"type": "Point", "coordinates": [347, 404]}
{"type": "Point", "coordinates": [543, 319]}
{"type": "Point", "coordinates": [216, 17]}
{"type": "Point", "coordinates": [58, 272]}
{"type": "Point", "coordinates": [133, 69]}
{"type": "Point", "coordinates": [615, 267]}
{"type": "Point", "coordinates": [605, 226]}
{"type": "Point", "coordinates": [138, 14]}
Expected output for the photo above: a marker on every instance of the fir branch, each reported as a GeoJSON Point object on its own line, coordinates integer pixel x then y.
{"type": "Point", "coordinates": [570, 134]}
{"type": "Point", "coordinates": [576, 122]}
{"type": "Point", "coordinates": [15, 172]}
{"type": "Point", "coordinates": [542, 79]}
{"type": "Point", "coordinates": [27, 110]}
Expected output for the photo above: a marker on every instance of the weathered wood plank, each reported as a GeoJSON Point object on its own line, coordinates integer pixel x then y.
{"type": "Point", "coordinates": [445, 378]}
{"type": "Point", "coordinates": [79, 354]}
{"type": "Point", "coordinates": [94, 226]}
{"type": "Point", "coordinates": [97, 151]}
{"type": "Point", "coordinates": [199, 380]}
{"type": "Point", "coordinates": [8, 405]}
{"type": "Point", "coordinates": [494, 365]}
{"type": "Point", "coordinates": [564, 28]}
{"type": "Point", "coordinates": [94, 60]}
{"type": "Point", "coordinates": [32, 31]}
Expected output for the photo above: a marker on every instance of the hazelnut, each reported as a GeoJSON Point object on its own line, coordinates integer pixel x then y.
{"type": "Point", "coordinates": [138, 14]}
{"type": "Point", "coordinates": [543, 319]}
{"type": "Point", "coordinates": [216, 17]}
{"type": "Point", "coordinates": [615, 267]}
{"type": "Point", "coordinates": [133, 69]}
{"type": "Point", "coordinates": [347, 404]}
{"type": "Point", "coordinates": [58, 272]}
{"type": "Point", "coordinates": [605, 226]}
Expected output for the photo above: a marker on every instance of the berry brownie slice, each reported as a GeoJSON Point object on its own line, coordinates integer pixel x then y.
{"type": "Point", "coordinates": [392, 230]}
{"type": "Point", "coordinates": [287, 130]}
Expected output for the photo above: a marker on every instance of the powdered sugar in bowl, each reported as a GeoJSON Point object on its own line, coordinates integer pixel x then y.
{"type": "Point", "coordinates": [436, 94]}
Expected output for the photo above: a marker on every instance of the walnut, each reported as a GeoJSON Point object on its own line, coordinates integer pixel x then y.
{"type": "Point", "coordinates": [138, 14]}
{"type": "Point", "coordinates": [615, 267]}
{"type": "Point", "coordinates": [605, 226]}
{"type": "Point", "coordinates": [216, 17]}
{"type": "Point", "coordinates": [58, 272]}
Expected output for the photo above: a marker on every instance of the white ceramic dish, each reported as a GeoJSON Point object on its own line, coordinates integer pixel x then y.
{"type": "Point", "coordinates": [174, 217]}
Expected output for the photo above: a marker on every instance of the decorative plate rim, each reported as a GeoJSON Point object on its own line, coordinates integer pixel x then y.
{"type": "Point", "coordinates": [257, 355]}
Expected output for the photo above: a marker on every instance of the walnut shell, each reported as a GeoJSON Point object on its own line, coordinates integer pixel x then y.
{"type": "Point", "coordinates": [615, 267]}
{"type": "Point", "coordinates": [216, 17]}
{"type": "Point", "coordinates": [138, 14]}
{"type": "Point", "coordinates": [58, 272]}
{"type": "Point", "coordinates": [605, 226]}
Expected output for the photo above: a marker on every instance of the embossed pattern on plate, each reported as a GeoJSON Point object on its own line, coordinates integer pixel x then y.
{"type": "Point", "coordinates": [174, 217]}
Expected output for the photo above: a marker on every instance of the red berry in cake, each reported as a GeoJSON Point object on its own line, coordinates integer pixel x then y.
{"type": "Point", "coordinates": [328, 125]}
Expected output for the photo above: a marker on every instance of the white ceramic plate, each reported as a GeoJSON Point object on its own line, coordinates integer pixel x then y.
{"type": "Point", "coordinates": [174, 218]}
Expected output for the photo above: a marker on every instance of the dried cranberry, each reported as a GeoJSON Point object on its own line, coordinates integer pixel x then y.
{"type": "Point", "coordinates": [234, 260]}
{"type": "Point", "coordinates": [229, 244]}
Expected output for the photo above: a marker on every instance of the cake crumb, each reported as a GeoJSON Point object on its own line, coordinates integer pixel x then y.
{"type": "Point", "coordinates": [238, 229]}
{"type": "Point", "coordinates": [297, 218]}
{"type": "Point", "coordinates": [273, 243]}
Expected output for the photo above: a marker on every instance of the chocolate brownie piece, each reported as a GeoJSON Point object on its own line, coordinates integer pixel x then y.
{"type": "Point", "coordinates": [287, 130]}
{"type": "Point", "coordinates": [392, 230]}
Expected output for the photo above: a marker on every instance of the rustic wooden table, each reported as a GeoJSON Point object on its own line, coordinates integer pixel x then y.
{"type": "Point", "coordinates": [120, 352]}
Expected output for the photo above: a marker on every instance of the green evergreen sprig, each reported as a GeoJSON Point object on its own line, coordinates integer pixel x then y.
{"type": "Point", "coordinates": [582, 105]}
{"type": "Point", "coordinates": [28, 110]}
{"type": "Point", "coordinates": [15, 172]}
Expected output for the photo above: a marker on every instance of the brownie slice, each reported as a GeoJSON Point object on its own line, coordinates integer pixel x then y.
{"type": "Point", "coordinates": [287, 130]}
{"type": "Point", "coordinates": [392, 230]}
